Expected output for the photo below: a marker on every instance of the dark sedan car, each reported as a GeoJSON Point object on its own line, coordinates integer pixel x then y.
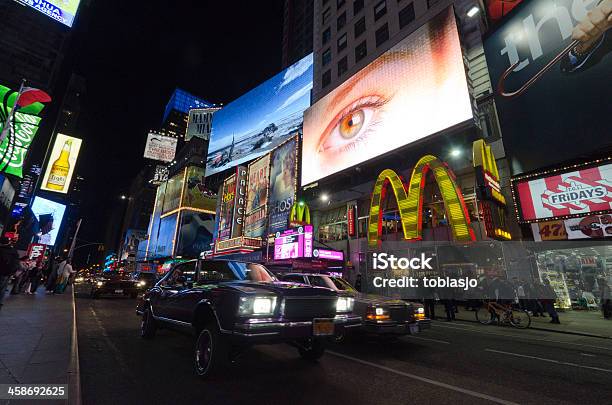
{"type": "Point", "coordinates": [108, 283]}
{"type": "Point", "coordinates": [381, 315]}
{"type": "Point", "coordinates": [231, 305]}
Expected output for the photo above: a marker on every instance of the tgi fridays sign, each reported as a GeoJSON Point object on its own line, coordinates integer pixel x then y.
{"type": "Point", "coordinates": [566, 195]}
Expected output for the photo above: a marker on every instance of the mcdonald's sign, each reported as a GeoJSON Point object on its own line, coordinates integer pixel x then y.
{"type": "Point", "coordinates": [410, 203]}
{"type": "Point", "coordinates": [299, 215]}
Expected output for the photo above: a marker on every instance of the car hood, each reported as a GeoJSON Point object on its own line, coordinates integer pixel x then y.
{"type": "Point", "coordinates": [374, 299]}
{"type": "Point", "coordinates": [279, 287]}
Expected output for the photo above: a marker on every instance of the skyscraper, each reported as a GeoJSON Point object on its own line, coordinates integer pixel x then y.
{"type": "Point", "coordinates": [297, 30]}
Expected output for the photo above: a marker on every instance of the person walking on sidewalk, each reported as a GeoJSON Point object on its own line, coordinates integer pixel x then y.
{"type": "Point", "coordinates": [33, 279]}
{"type": "Point", "coordinates": [21, 277]}
{"type": "Point", "coordinates": [53, 275]}
{"type": "Point", "coordinates": [606, 299]}
{"type": "Point", "coordinates": [64, 271]}
{"type": "Point", "coordinates": [548, 299]}
{"type": "Point", "coordinates": [9, 263]}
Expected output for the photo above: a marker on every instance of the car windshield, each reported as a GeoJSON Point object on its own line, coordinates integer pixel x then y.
{"type": "Point", "coordinates": [251, 271]}
{"type": "Point", "coordinates": [342, 284]}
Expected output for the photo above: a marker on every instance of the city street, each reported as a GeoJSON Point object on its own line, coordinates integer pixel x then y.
{"type": "Point", "coordinates": [451, 363]}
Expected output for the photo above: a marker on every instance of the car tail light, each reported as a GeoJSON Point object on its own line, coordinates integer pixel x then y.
{"type": "Point", "coordinates": [377, 314]}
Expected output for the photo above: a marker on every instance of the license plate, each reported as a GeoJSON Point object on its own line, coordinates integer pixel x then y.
{"type": "Point", "coordinates": [323, 327]}
{"type": "Point", "coordinates": [414, 329]}
{"type": "Point", "coordinates": [118, 291]}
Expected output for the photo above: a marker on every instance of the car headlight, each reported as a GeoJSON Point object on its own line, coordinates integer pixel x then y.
{"type": "Point", "coordinates": [344, 304]}
{"type": "Point", "coordinates": [377, 314]}
{"type": "Point", "coordinates": [257, 305]}
{"type": "Point", "coordinates": [100, 283]}
{"type": "Point", "coordinates": [141, 283]}
{"type": "Point", "coordinates": [420, 310]}
{"type": "Point", "coordinates": [79, 280]}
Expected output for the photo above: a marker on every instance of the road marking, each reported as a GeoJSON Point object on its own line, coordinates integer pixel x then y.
{"type": "Point", "coordinates": [431, 340]}
{"type": "Point", "coordinates": [587, 354]}
{"type": "Point", "coordinates": [565, 363]}
{"type": "Point", "coordinates": [426, 380]}
{"type": "Point", "coordinates": [515, 335]}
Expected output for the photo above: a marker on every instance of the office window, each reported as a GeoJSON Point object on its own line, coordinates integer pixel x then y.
{"type": "Point", "coordinates": [326, 58]}
{"type": "Point", "coordinates": [382, 34]}
{"type": "Point", "coordinates": [340, 3]}
{"type": "Point", "coordinates": [357, 6]}
{"type": "Point", "coordinates": [342, 42]}
{"type": "Point", "coordinates": [342, 66]}
{"type": "Point", "coordinates": [406, 15]}
{"type": "Point", "coordinates": [326, 15]}
{"type": "Point", "coordinates": [326, 35]}
{"type": "Point", "coordinates": [360, 27]}
{"type": "Point", "coordinates": [341, 21]}
{"type": "Point", "coordinates": [326, 80]}
{"type": "Point", "coordinates": [361, 51]}
{"type": "Point", "coordinates": [380, 9]}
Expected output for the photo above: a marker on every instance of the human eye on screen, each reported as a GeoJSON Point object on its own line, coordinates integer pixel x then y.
{"type": "Point", "coordinates": [353, 125]}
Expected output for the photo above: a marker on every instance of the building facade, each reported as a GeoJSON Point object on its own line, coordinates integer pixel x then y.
{"type": "Point", "coordinates": [297, 30]}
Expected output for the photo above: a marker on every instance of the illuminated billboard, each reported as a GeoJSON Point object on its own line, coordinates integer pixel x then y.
{"type": "Point", "coordinates": [262, 119]}
{"type": "Point", "coordinates": [49, 214]}
{"type": "Point", "coordinates": [14, 148]}
{"type": "Point", "coordinates": [195, 234]}
{"type": "Point", "coordinates": [63, 11]}
{"type": "Point", "coordinates": [62, 162]}
{"type": "Point", "coordinates": [195, 194]}
{"type": "Point", "coordinates": [416, 89]}
{"type": "Point", "coordinates": [160, 147]}
{"type": "Point", "coordinates": [293, 243]}
{"type": "Point", "coordinates": [257, 197]}
{"type": "Point", "coordinates": [283, 178]}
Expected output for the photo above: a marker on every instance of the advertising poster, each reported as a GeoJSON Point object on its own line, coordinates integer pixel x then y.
{"type": "Point", "coordinates": [61, 165]}
{"type": "Point", "coordinates": [196, 195]}
{"type": "Point", "coordinates": [159, 147]}
{"type": "Point", "coordinates": [14, 149]}
{"type": "Point", "coordinates": [155, 218]}
{"type": "Point", "coordinates": [569, 106]}
{"type": "Point", "coordinates": [226, 214]}
{"type": "Point", "coordinates": [257, 195]}
{"type": "Point", "coordinates": [283, 178]}
{"type": "Point", "coordinates": [165, 238]}
{"type": "Point", "coordinates": [49, 214]}
{"type": "Point", "coordinates": [172, 197]}
{"type": "Point", "coordinates": [195, 233]}
{"type": "Point", "coordinates": [577, 192]}
{"type": "Point", "coordinates": [239, 202]}
{"type": "Point", "coordinates": [63, 11]}
{"type": "Point", "coordinates": [593, 226]}
{"type": "Point", "coordinates": [7, 194]}
{"type": "Point", "coordinates": [200, 123]}
{"type": "Point", "coordinates": [160, 175]}
{"type": "Point", "coordinates": [133, 239]}
{"type": "Point", "coordinates": [416, 89]}
{"type": "Point", "coordinates": [262, 119]}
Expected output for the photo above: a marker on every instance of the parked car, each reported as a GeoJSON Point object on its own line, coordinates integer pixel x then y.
{"type": "Point", "coordinates": [231, 305]}
{"type": "Point", "coordinates": [381, 315]}
{"type": "Point", "coordinates": [145, 279]}
{"type": "Point", "coordinates": [108, 283]}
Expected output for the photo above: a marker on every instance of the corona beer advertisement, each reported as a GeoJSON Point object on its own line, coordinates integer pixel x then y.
{"type": "Point", "coordinates": [14, 148]}
{"type": "Point", "coordinates": [61, 165]}
{"type": "Point", "coordinates": [283, 178]}
{"type": "Point", "coordinates": [416, 89]}
{"type": "Point", "coordinates": [63, 11]}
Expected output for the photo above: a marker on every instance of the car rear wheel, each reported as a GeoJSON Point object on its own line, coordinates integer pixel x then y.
{"type": "Point", "coordinates": [148, 327]}
{"type": "Point", "coordinates": [312, 349]}
{"type": "Point", "coordinates": [211, 352]}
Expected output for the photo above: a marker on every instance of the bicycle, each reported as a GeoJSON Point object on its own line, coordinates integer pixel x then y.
{"type": "Point", "coordinates": [492, 310]}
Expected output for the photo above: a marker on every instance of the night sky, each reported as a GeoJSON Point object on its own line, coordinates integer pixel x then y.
{"type": "Point", "coordinates": [134, 54]}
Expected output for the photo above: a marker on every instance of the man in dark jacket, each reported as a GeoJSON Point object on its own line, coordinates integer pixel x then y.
{"type": "Point", "coordinates": [548, 300]}
{"type": "Point", "coordinates": [9, 263]}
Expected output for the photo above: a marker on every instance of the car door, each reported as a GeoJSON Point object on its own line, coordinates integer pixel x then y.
{"type": "Point", "coordinates": [167, 289]}
{"type": "Point", "coordinates": [177, 287]}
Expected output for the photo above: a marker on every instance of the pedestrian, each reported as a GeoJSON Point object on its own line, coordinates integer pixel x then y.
{"type": "Point", "coordinates": [21, 276]}
{"type": "Point", "coordinates": [358, 283]}
{"type": "Point", "coordinates": [53, 275]}
{"type": "Point", "coordinates": [64, 271]}
{"type": "Point", "coordinates": [606, 299]}
{"type": "Point", "coordinates": [536, 295]}
{"type": "Point", "coordinates": [9, 263]}
{"type": "Point", "coordinates": [430, 302]}
{"type": "Point", "coordinates": [549, 298]}
{"type": "Point", "coordinates": [34, 275]}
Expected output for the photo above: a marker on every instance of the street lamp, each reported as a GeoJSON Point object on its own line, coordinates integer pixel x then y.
{"type": "Point", "coordinates": [324, 197]}
{"type": "Point", "coordinates": [473, 11]}
{"type": "Point", "coordinates": [123, 197]}
{"type": "Point", "coordinates": [455, 152]}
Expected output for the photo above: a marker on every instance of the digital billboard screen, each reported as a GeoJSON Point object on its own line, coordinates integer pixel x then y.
{"type": "Point", "coordinates": [565, 114]}
{"type": "Point", "coordinates": [49, 214]}
{"type": "Point", "coordinates": [283, 183]}
{"type": "Point", "coordinates": [63, 11]}
{"type": "Point", "coordinates": [293, 243]}
{"type": "Point", "coordinates": [61, 164]}
{"type": "Point", "coordinates": [261, 119]}
{"type": "Point", "coordinates": [257, 197]}
{"type": "Point", "coordinates": [195, 233]}
{"type": "Point", "coordinates": [415, 89]}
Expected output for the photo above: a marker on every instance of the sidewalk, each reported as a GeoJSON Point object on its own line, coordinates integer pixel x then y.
{"type": "Point", "coordinates": [588, 323]}
{"type": "Point", "coordinates": [36, 342]}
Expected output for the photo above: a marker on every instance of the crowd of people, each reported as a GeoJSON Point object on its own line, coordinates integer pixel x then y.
{"type": "Point", "coordinates": [25, 276]}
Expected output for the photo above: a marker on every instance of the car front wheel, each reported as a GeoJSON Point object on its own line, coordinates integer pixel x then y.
{"type": "Point", "coordinates": [312, 349]}
{"type": "Point", "coordinates": [211, 352]}
{"type": "Point", "coordinates": [148, 326]}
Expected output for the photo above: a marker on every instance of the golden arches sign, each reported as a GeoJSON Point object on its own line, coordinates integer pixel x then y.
{"type": "Point", "coordinates": [410, 203]}
{"type": "Point", "coordinates": [299, 214]}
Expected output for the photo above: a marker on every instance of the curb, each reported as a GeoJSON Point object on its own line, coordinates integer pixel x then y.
{"type": "Point", "coordinates": [74, 371]}
{"type": "Point", "coordinates": [566, 332]}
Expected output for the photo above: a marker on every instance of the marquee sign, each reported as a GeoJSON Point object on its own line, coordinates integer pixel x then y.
{"type": "Point", "coordinates": [566, 195]}
{"type": "Point", "coordinates": [410, 203]}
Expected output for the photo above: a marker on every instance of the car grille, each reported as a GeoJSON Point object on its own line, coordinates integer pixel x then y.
{"type": "Point", "coordinates": [400, 313]}
{"type": "Point", "coordinates": [118, 284]}
{"type": "Point", "coordinates": [308, 308]}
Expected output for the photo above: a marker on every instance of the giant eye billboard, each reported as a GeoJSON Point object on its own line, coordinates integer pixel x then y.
{"type": "Point", "coordinates": [417, 88]}
{"type": "Point", "coordinates": [260, 120]}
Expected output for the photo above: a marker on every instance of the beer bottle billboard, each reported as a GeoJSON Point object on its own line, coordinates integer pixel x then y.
{"type": "Point", "coordinates": [61, 164]}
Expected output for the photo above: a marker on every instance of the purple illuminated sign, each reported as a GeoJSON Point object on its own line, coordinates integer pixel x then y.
{"type": "Point", "coordinates": [293, 243]}
{"type": "Point", "coordinates": [328, 254]}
